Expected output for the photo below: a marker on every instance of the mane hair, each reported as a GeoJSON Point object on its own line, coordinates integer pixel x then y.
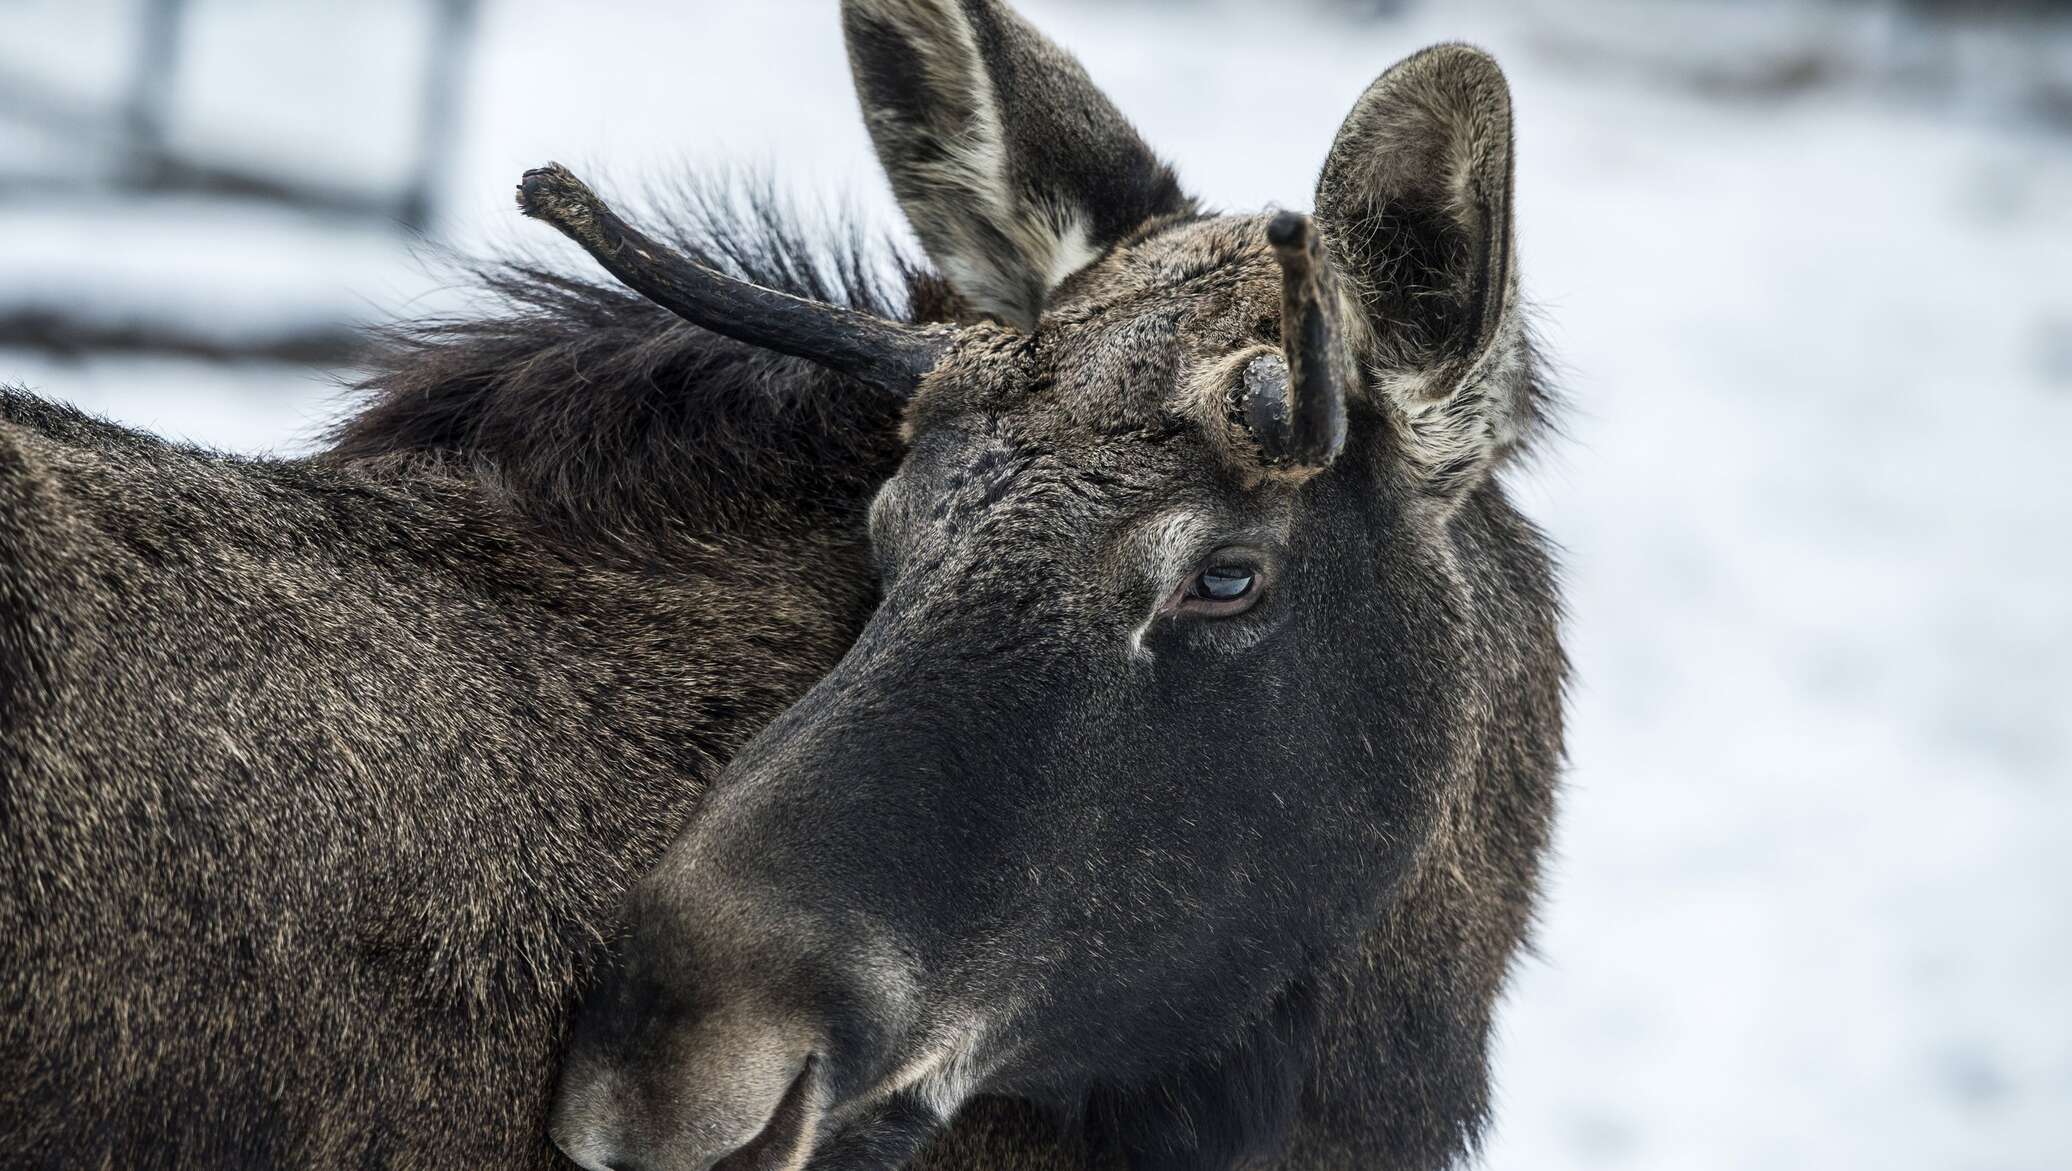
{"type": "Point", "coordinates": [610, 422]}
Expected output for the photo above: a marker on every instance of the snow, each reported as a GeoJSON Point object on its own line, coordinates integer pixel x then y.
{"type": "Point", "coordinates": [1810, 907]}
{"type": "Point", "coordinates": [254, 408]}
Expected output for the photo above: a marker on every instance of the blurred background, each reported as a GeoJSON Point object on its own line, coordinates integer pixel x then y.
{"type": "Point", "coordinates": [1806, 266]}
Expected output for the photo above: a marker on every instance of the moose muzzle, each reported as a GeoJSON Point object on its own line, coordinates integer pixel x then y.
{"type": "Point", "coordinates": [714, 1039]}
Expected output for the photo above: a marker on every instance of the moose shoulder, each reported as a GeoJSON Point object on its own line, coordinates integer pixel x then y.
{"type": "Point", "coordinates": [1191, 777]}
{"type": "Point", "coordinates": [320, 779]}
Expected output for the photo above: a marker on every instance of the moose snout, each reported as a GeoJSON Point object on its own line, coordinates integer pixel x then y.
{"type": "Point", "coordinates": [732, 1093]}
{"type": "Point", "coordinates": [720, 1032]}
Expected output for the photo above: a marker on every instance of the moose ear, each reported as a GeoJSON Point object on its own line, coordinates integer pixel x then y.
{"type": "Point", "coordinates": [1415, 208]}
{"type": "Point", "coordinates": [1013, 169]}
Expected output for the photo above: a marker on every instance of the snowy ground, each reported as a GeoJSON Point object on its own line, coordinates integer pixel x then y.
{"type": "Point", "coordinates": [1813, 905]}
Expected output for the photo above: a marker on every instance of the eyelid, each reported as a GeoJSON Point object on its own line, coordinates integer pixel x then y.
{"type": "Point", "coordinates": [1225, 556]}
{"type": "Point", "coordinates": [1230, 554]}
{"type": "Point", "coordinates": [1247, 548]}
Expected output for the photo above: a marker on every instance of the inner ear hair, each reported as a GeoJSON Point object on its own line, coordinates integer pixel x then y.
{"type": "Point", "coordinates": [1014, 170]}
{"type": "Point", "coordinates": [1415, 200]}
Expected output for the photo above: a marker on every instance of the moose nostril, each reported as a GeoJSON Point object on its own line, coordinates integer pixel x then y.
{"type": "Point", "coordinates": [720, 1110]}
{"type": "Point", "coordinates": [599, 1162]}
{"type": "Point", "coordinates": [788, 1135]}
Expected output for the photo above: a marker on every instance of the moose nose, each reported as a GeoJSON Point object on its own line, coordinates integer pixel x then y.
{"type": "Point", "coordinates": [729, 1018]}
{"type": "Point", "coordinates": [732, 1094]}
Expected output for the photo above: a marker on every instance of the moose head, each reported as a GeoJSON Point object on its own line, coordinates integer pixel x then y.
{"type": "Point", "coordinates": [1192, 773]}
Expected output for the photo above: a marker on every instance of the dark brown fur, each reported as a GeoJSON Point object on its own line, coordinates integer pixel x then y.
{"type": "Point", "coordinates": [322, 780]}
{"type": "Point", "coordinates": [319, 779]}
{"type": "Point", "coordinates": [1219, 885]}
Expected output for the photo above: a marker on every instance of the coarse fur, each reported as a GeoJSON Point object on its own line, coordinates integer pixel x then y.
{"type": "Point", "coordinates": [322, 780]}
{"type": "Point", "coordinates": [997, 194]}
{"type": "Point", "coordinates": [1213, 885]}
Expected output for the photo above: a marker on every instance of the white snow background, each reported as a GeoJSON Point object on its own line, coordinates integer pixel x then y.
{"type": "Point", "coordinates": [1812, 906]}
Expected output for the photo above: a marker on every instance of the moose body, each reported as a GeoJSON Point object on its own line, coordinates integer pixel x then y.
{"type": "Point", "coordinates": [1105, 716]}
{"type": "Point", "coordinates": [320, 779]}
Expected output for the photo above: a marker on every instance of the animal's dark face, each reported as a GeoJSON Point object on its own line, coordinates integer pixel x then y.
{"type": "Point", "coordinates": [1113, 711]}
{"type": "Point", "coordinates": [1161, 699]}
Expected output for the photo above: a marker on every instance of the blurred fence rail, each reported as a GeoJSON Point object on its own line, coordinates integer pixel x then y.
{"type": "Point", "coordinates": [120, 146]}
{"type": "Point", "coordinates": [348, 115]}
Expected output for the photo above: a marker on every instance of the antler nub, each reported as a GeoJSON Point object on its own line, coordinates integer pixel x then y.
{"type": "Point", "coordinates": [1295, 408]}
{"type": "Point", "coordinates": [887, 354]}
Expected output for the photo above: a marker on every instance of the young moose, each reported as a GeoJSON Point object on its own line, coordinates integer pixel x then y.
{"type": "Point", "coordinates": [1192, 775]}
{"type": "Point", "coordinates": [1179, 804]}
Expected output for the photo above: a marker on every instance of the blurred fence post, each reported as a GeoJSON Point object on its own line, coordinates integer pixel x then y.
{"type": "Point", "coordinates": [439, 116]}
{"type": "Point", "coordinates": [151, 82]}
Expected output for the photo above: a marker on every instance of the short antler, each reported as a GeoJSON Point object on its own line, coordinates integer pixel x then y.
{"type": "Point", "coordinates": [886, 354]}
{"type": "Point", "coordinates": [1296, 410]}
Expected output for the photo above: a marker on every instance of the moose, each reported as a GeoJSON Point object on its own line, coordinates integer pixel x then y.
{"type": "Point", "coordinates": [1086, 704]}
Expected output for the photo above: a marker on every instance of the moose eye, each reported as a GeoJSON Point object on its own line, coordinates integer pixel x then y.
{"type": "Point", "coordinates": [1225, 583]}
{"type": "Point", "coordinates": [1220, 591]}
